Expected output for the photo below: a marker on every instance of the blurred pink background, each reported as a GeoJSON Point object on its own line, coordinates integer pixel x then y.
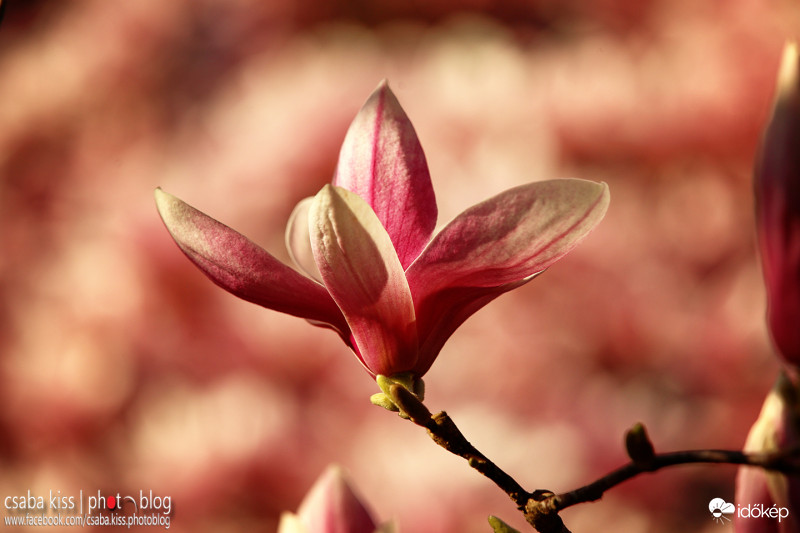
{"type": "Point", "coordinates": [122, 368]}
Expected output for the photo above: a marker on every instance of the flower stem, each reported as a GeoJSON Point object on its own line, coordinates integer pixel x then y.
{"type": "Point", "coordinates": [444, 432]}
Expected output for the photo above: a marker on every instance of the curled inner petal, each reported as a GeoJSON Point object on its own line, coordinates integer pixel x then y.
{"type": "Point", "coordinates": [298, 240]}
{"type": "Point", "coordinates": [363, 274]}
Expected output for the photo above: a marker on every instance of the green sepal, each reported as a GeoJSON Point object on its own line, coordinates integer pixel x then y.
{"type": "Point", "coordinates": [498, 526]}
{"type": "Point", "coordinates": [407, 380]}
{"type": "Point", "coordinates": [382, 400]}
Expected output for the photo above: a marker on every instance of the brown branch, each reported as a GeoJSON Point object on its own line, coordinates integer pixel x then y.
{"type": "Point", "coordinates": [787, 462]}
{"type": "Point", "coordinates": [541, 507]}
{"type": "Point", "coordinates": [444, 432]}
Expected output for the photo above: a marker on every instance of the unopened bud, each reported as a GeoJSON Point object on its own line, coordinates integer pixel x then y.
{"type": "Point", "coordinates": [639, 447]}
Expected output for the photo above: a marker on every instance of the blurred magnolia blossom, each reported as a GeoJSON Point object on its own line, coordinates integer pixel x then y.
{"type": "Point", "coordinates": [777, 188]}
{"type": "Point", "coordinates": [331, 506]}
{"type": "Point", "coordinates": [374, 270]}
{"type": "Point", "coordinates": [777, 429]}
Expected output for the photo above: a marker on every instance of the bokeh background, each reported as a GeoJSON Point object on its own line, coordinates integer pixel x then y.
{"type": "Point", "coordinates": [123, 369]}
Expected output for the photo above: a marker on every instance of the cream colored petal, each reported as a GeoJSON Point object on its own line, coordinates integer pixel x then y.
{"type": "Point", "coordinates": [362, 272]}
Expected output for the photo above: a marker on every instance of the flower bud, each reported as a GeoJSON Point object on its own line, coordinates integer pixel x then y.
{"type": "Point", "coordinates": [330, 506]}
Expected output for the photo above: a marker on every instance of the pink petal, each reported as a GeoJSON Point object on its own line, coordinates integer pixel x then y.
{"type": "Point", "coordinates": [439, 316]}
{"type": "Point", "coordinates": [382, 161]}
{"type": "Point", "coordinates": [777, 187]}
{"type": "Point", "coordinates": [241, 267]}
{"type": "Point", "coordinates": [363, 274]}
{"type": "Point", "coordinates": [331, 506]}
{"type": "Point", "coordinates": [775, 429]}
{"type": "Point", "coordinates": [496, 246]}
{"type": "Point", "coordinates": [509, 237]}
{"type": "Point", "coordinates": [752, 489]}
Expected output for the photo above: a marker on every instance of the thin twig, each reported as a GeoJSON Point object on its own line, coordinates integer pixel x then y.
{"type": "Point", "coordinates": [541, 507]}
{"type": "Point", "coordinates": [786, 462]}
{"type": "Point", "coordinates": [444, 432]}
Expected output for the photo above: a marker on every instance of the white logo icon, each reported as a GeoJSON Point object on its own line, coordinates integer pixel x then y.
{"type": "Point", "coordinates": [719, 508]}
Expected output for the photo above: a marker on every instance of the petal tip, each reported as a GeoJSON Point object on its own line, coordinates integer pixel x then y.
{"type": "Point", "coordinates": [163, 198]}
{"type": "Point", "coordinates": [788, 71]}
{"type": "Point", "coordinates": [165, 202]}
{"type": "Point", "coordinates": [383, 87]}
{"type": "Point", "coordinates": [171, 209]}
{"type": "Point", "coordinates": [605, 195]}
{"type": "Point", "coordinates": [600, 191]}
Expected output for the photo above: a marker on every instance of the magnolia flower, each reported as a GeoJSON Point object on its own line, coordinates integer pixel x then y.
{"type": "Point", "coordinates": [777, 188]}
{"type": "Point", "coordinates": [374, 270]}
{"type": "Point", "coordinates": [331, 506]}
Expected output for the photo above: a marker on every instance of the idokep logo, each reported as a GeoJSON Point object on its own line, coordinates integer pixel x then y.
{"type": "Point", "coordinates": [719, 508]}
